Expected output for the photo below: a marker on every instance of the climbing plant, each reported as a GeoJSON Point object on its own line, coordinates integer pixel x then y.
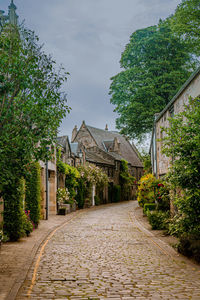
{"type": "Point", "coordinates": [33, 192]}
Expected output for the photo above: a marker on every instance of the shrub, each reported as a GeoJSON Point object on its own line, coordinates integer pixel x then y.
{"type": "Point", "coordinates": [27, 224]}
{"type": "Point", "coordinates": [81, 193]}
{"type": "Point", "coordinates": [158, 219]}
{"type": "Point", "coordinates": [149, 207]}
{"type": "Point", "coordinates": [152, 190]}
{"type": "Point", "coordinates": [97, 200]}
{"type": "Point", "coordinates": [145, 192]}
{"type": "Point", "coordinates": [190, 247]}
{"type": "Point", "coordinates": [13, 196]}
{"type": "Point", "coordinates": [62, 195]}
{"type": "Point", "coordinates": [71, 180]}
{"type": "Point", "coordinates": [182, 142]}
{"type": "Point", "coordinates": [126, 180]}
{"type": "Point", "coordinates": [33, 192]}
{"type": "Point", "coordinates": [116, 193]}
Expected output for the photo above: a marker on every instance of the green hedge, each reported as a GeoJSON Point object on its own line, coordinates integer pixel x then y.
{"type": "Point", "coordinates": [33, 193]}
{"type": "Point", "coordinates": [13, 196]}
{"type": "Point", "coordinates": [158, 219]}
{"type": "Point", "coordinates": [149, 207]}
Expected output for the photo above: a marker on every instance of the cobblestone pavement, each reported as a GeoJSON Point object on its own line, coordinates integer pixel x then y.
{"type": "Point", "coordinates": [102, 254]}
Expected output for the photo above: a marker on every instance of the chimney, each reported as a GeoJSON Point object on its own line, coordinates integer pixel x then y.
{"type": "Point", "coordinates": [106, 128]}
{"type": "Point", "coordinates": [116, 145]}
{"type": "Point", "coordinates": [74, 133]}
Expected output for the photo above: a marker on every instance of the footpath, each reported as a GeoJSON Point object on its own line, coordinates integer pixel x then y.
{"type": "Point", "coordinates": [17, 258]}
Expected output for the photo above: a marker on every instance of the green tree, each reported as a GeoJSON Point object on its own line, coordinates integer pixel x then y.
{"type": "Point", "coordinates": [156, 63]}
{"type": "Point", "coordinates": [32, 106]}
{"type": "Point", "coordinates": [186, 23]}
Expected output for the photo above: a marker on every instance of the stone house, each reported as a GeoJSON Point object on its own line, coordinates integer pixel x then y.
{"type": "Point", "coordinates": [161, 163]}
{"type": "Point", "coordinates": [49, 170]}
{"type": "Point", "coordinates": [106, 149]}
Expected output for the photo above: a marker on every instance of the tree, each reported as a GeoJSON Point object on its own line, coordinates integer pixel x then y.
{"type": "Point", "coordinates": [156, 63]}
{"type": "Point", "coordinates": [186, 23]}
{"type": "Point", "coordinates": [32, 103]}
{"type": "Point", "coordinates": [32, 106]}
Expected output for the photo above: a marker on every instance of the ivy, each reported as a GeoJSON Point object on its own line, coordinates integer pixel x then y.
{"type": "Point", "coordinates": [182, 143]}
{"type": "Point", "coordinates": [33, 192]}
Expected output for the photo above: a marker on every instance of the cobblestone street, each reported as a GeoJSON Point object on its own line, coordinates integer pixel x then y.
{"type": "Point", "coordinates": [103, 254]}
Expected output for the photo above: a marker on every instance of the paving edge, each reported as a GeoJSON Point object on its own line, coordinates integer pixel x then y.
{"type": "Point", "coordinates": [27, 266]}
{"type": "Point", "coordinates": [178, 258]}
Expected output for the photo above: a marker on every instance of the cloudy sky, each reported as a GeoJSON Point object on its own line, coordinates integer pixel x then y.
{"type": "Point", "coordinates": [87, 37]}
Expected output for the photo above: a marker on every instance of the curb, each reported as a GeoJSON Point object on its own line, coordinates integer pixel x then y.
{"type": "Point", "coordinates": [22, 276]}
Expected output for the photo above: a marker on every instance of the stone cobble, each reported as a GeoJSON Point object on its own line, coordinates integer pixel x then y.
{"type": "Point", "coordinates": [102, 254]}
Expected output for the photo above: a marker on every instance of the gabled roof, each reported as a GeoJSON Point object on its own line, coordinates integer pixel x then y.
{"type": "Point", "coordinates": [127, 151]}
{"type": "Point", "coordinates": [62, 140]}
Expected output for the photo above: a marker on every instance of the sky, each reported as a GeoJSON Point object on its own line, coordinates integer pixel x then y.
{"type": "Point", "coordinates": [87, 37]}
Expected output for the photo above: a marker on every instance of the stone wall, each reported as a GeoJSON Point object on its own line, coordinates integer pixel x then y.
{"type": "Point", "coordinates": [193, 90]}
{"type": "Point", "coordinates": [84, 137]}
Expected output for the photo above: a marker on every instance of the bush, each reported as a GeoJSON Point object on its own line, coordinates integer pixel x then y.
{"type": "Point", "coordinates": [81, 193]}
{"type": "Point", "coordinates": [62, 196]}
{"type": "Point", "coordinates": [27, 224]}
{"type": "Point", "coordinates": [13, 196]}
{"type": "Point", "coordinates": [33, 193]}
{"type": "Point", "coordinates": [145, 192]}
{"type": "Point", "coordinates": [152, 190]}
{"type": "Point", "coordinates": [126, 180]}
{"type": "Point", "coordinates": [116, 193]}
{"type": "Point", "coordinates": [158, 219]}
{"type": "Point", "coordinates": [97, 200]}
{"type": "Point", "coordinates": [149, 207]}
{"type": "Point", "coordinates": [190, 247]}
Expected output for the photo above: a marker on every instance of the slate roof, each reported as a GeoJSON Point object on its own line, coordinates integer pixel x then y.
{"type": "Point", "coordinates": [62, 140]}
{"type": "Point", "coordinates": [74, 148]}
{"type": "Point", "coordinates": [93, 157]}
{"type": "Point", "coordinates": [128, 152]}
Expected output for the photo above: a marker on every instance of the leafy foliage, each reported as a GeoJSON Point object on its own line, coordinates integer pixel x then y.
{"type": "Point", "coordinates": [62, 195]}
{"type": "Point", "coordinates": [126, 180]}
{"type": "Point", "coordinates": [158, 219]}
{"type": "Point", "coordinates": [93, 175]}
{"type": "Point", "coordinates": [33, 192]}
{"type": "Point", "coordinates": [156, 63]}
{"type": "Point", "coordinates": [32, 103]}
{"type": "Point", "coordinates": [14, 216]}
{"type": "Point", "coordinates": [182, 143]}
{"type": "Point", "coordinates": [116, 193]}
{"type": "Point", "coordinates": [71, 180]}
{"type": "Point", "coordinates": [186, 23]}
{"type": "Point", "coordinates": [146, 161]}
{"type": "Point", "coordinates": [152, 190]}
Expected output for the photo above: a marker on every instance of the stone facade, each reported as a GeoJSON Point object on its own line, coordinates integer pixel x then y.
{"type": "Point", "coordinates": [106, 149]}
{"type": "Point", "coordinates": [160, 162]}
{"type": "Point", "coordinates": [52, 187]}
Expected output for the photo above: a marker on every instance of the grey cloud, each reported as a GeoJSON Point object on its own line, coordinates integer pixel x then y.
{"type": "Point", "coordinates": [87, 37]}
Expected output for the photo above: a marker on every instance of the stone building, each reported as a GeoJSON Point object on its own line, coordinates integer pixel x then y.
{"type": "Point", "coordinates": [11, 17]}
{"type": "Point", "coordinates": [106, 149]}
{"type": "Point", "coordinates": [160, 162]}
